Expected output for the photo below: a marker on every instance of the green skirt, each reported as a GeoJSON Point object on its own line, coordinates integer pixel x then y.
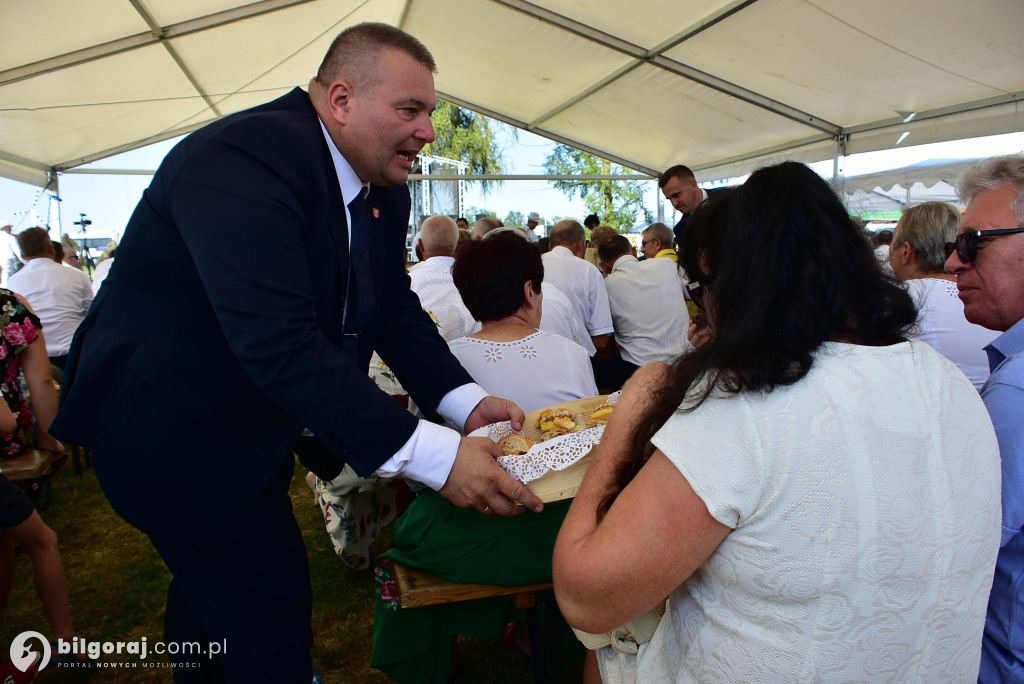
{"type": "Point", "coordinates": [459, 545]}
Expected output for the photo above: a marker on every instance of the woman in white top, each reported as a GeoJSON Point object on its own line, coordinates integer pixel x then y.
{"type": "Point", "coordinates": [917, 257]}
{"type": "Point", "coordinates": [499, 279]}
{"type": "Point", "coordinates": [818, 497]}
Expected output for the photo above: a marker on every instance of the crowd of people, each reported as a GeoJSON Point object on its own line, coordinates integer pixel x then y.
{"type": "Point", "coordinates": [816, 477]}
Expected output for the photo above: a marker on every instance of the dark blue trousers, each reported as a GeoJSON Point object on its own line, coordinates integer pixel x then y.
{"type": "Point", "coordinates": [249, 593]}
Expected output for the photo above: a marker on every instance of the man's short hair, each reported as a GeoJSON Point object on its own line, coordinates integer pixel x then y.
{"type": "Point", "coordinates": [613, 247]}
{"type": "Point", "coordinates": [58, 251]}
{"type": "Point", "coordinates": [678, 171]}
{"type": "Point", "coordinates": [928, 227]}
{"type": "Point", "coordinates": [660, 231]}
{"type": "Point", "coordinates": [484, 226]}
{"type": "Point", "coordinates": [355, 53]}
{"type": "Point", "coordinates": [34, 242]}
{"type": "Point", "coordinates": [439, 234]}
{"type": "Point", "coordinates": [591, 221]}
{"type": "Point", "coordinates": [566, 233]}
{"type": "Point", "coordinates": [989, 174]}
{"type": "Point", "coordinates": [883, 237]}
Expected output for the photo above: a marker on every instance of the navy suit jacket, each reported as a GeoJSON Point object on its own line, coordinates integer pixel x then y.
{"type": "Point", "coordinates": [680, 226]}
{"type": "Point", "coordinates": [217, 335]}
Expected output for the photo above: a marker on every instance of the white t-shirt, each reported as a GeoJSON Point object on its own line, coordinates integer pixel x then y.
{"type": "Point", "coordinates": [583, 284]}
{"type": "Point", "coordinates": [535, 372]}
{"type": "Point", "coordinates": [865, 507]}
{"type": "Point", "coordinates": [432, 282]}
{"type": "Point", "coordinates": [648, 309]}
{"type": "Point", "coordinates": [942, 325]}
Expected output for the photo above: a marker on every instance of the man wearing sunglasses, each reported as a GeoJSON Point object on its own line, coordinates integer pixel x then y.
{"type": "Point", "coordinates": [987, 259]}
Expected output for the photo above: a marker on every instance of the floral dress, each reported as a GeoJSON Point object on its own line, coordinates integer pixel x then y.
{"type": "Point", "coordinates": [18, 329]}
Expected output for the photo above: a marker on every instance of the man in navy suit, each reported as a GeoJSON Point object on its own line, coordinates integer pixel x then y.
{"type": "Point", "coordinates": [680, 188]}
{"type": "Point", "coordinates": [260, 270]}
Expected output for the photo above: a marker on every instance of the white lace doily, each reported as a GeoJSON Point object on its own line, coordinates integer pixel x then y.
{"type": "Point", "coordinates": [555, 454]}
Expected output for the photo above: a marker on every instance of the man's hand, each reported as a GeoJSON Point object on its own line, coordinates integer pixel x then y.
{"type": "Point", "coordinates": [494, 410]}
{"type": "Point", "coordinates": [476, 481]}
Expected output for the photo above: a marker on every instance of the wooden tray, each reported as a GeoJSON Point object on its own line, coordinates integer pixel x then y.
{"type": "Point", "coordinates": [563, 484]}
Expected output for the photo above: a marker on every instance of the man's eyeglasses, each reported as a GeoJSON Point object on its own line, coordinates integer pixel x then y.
{"type": "Point", "coordinates": [697, 288]}
{"type": "Point", "coordinates": [647, 242]}
{"type": "Point", "coordinates": [966, 244]}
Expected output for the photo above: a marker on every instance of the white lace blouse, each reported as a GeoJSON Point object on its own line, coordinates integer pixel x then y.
{"type": "Point", "coordinates": [535, 372]}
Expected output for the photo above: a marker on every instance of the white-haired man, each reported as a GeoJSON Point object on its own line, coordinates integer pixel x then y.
{"type": "Point", "coordinates": [987, 259]}
{"type": "Point", "coordinates": [432, 280]}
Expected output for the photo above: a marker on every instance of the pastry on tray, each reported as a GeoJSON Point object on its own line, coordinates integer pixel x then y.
{"type": "Point", "coordinates": [555, 422]}
{"type": "Point", "coordinates": [515, 444]}
{"type": "Point", "coordinates": [601, 413]}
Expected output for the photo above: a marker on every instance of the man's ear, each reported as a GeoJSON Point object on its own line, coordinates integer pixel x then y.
{"type": "Point", "coordinates": [907, 254]}
{"type": "Point", "coordinates": [339, 100]}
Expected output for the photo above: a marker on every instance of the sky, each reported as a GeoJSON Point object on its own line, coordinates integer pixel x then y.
{"type": "Point", "coordinates": [108, 200]}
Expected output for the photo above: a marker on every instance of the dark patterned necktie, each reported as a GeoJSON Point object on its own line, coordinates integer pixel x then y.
{"type": "Point", "coordinates": [359, 306]}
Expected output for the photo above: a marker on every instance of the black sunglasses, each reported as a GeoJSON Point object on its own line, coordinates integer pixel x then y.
{"type": "Point", "coordinates": [966, 245]}
{"type": "Point", "coordinates": [696, 290]}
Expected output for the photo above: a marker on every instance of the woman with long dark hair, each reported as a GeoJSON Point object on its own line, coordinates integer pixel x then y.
{"type": "Point", "coordinates": [817, 496]}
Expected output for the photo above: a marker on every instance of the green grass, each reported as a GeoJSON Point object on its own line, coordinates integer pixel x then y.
{"type": "Point", "coordinates": [118, 585]}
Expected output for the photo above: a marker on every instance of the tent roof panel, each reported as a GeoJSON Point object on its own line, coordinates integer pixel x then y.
{"type": "Point", "coordinates": [496, 69]}
{"type": "Point", "coordinates": [37, 30]}
{"type": "Point", "coordinates": [813, 64]}
{"type": "Point", "coordinates": [73, 112]}
{"type": "Point", "coordinates": [740, 81]}
{"type": "Point", "coordinates": [639, 117]}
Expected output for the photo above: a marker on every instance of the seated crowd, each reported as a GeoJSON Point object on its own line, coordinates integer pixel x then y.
{"type": "Point", "coordinates": [752, 473]}
{"type": "Point", "coordinates": [754, 492]}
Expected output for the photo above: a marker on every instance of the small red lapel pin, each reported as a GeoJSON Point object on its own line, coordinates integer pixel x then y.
{"type": "Point", "coordinates": [376, 212]}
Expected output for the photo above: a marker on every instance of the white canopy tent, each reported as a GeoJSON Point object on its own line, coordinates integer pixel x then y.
{"type": "Point", "coordinates": [720, 85]}
{"type": "Point", "coordinates": [898, 189]}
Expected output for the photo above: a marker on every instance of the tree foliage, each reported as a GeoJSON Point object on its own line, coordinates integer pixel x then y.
{"type": "Point", "coordinates": [472, 213]}
{"type": "Point", "coordinates": [469, 137]}
{"type": "Point", "coordinates": [515, 219]}
{"type": "Point", "coordinates": [618, 203]}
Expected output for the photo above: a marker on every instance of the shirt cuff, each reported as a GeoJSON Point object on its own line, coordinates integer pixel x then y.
{"type": "Point", "coordinates": [456, 406]}
{"type": "Point", "coordinates": [435, 448]}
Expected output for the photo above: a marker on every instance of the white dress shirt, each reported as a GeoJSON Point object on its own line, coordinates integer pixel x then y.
{"type": "Point", "coordinates": [429, 454]}
{"type": "Point", "coordinates": [100, 274]}
{"type": "Point", "coordinates": [558, 316]}
{"type": "Point", "coordinates": [941, 324]}
{"type": "Point", "coordinates": [432, 282]}
{"type": "Point", "coordinates": [583, 284]}
{"type": "Point", "coordinates": [648, 309]}
{"type": "Point", "coordinates": [60, 296]}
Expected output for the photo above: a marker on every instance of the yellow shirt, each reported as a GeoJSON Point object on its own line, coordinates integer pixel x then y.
{"type": "Point", "coordinates": [668, 254]}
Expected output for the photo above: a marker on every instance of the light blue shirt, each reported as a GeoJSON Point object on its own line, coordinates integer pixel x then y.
{"type": "Point", "coordinates": [1002, 652]}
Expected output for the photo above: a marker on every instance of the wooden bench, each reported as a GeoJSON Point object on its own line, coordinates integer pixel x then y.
{"type": "Point", "coordinates": [31, 471]}
{"type": "Point", "coordinates": [418, 588]}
